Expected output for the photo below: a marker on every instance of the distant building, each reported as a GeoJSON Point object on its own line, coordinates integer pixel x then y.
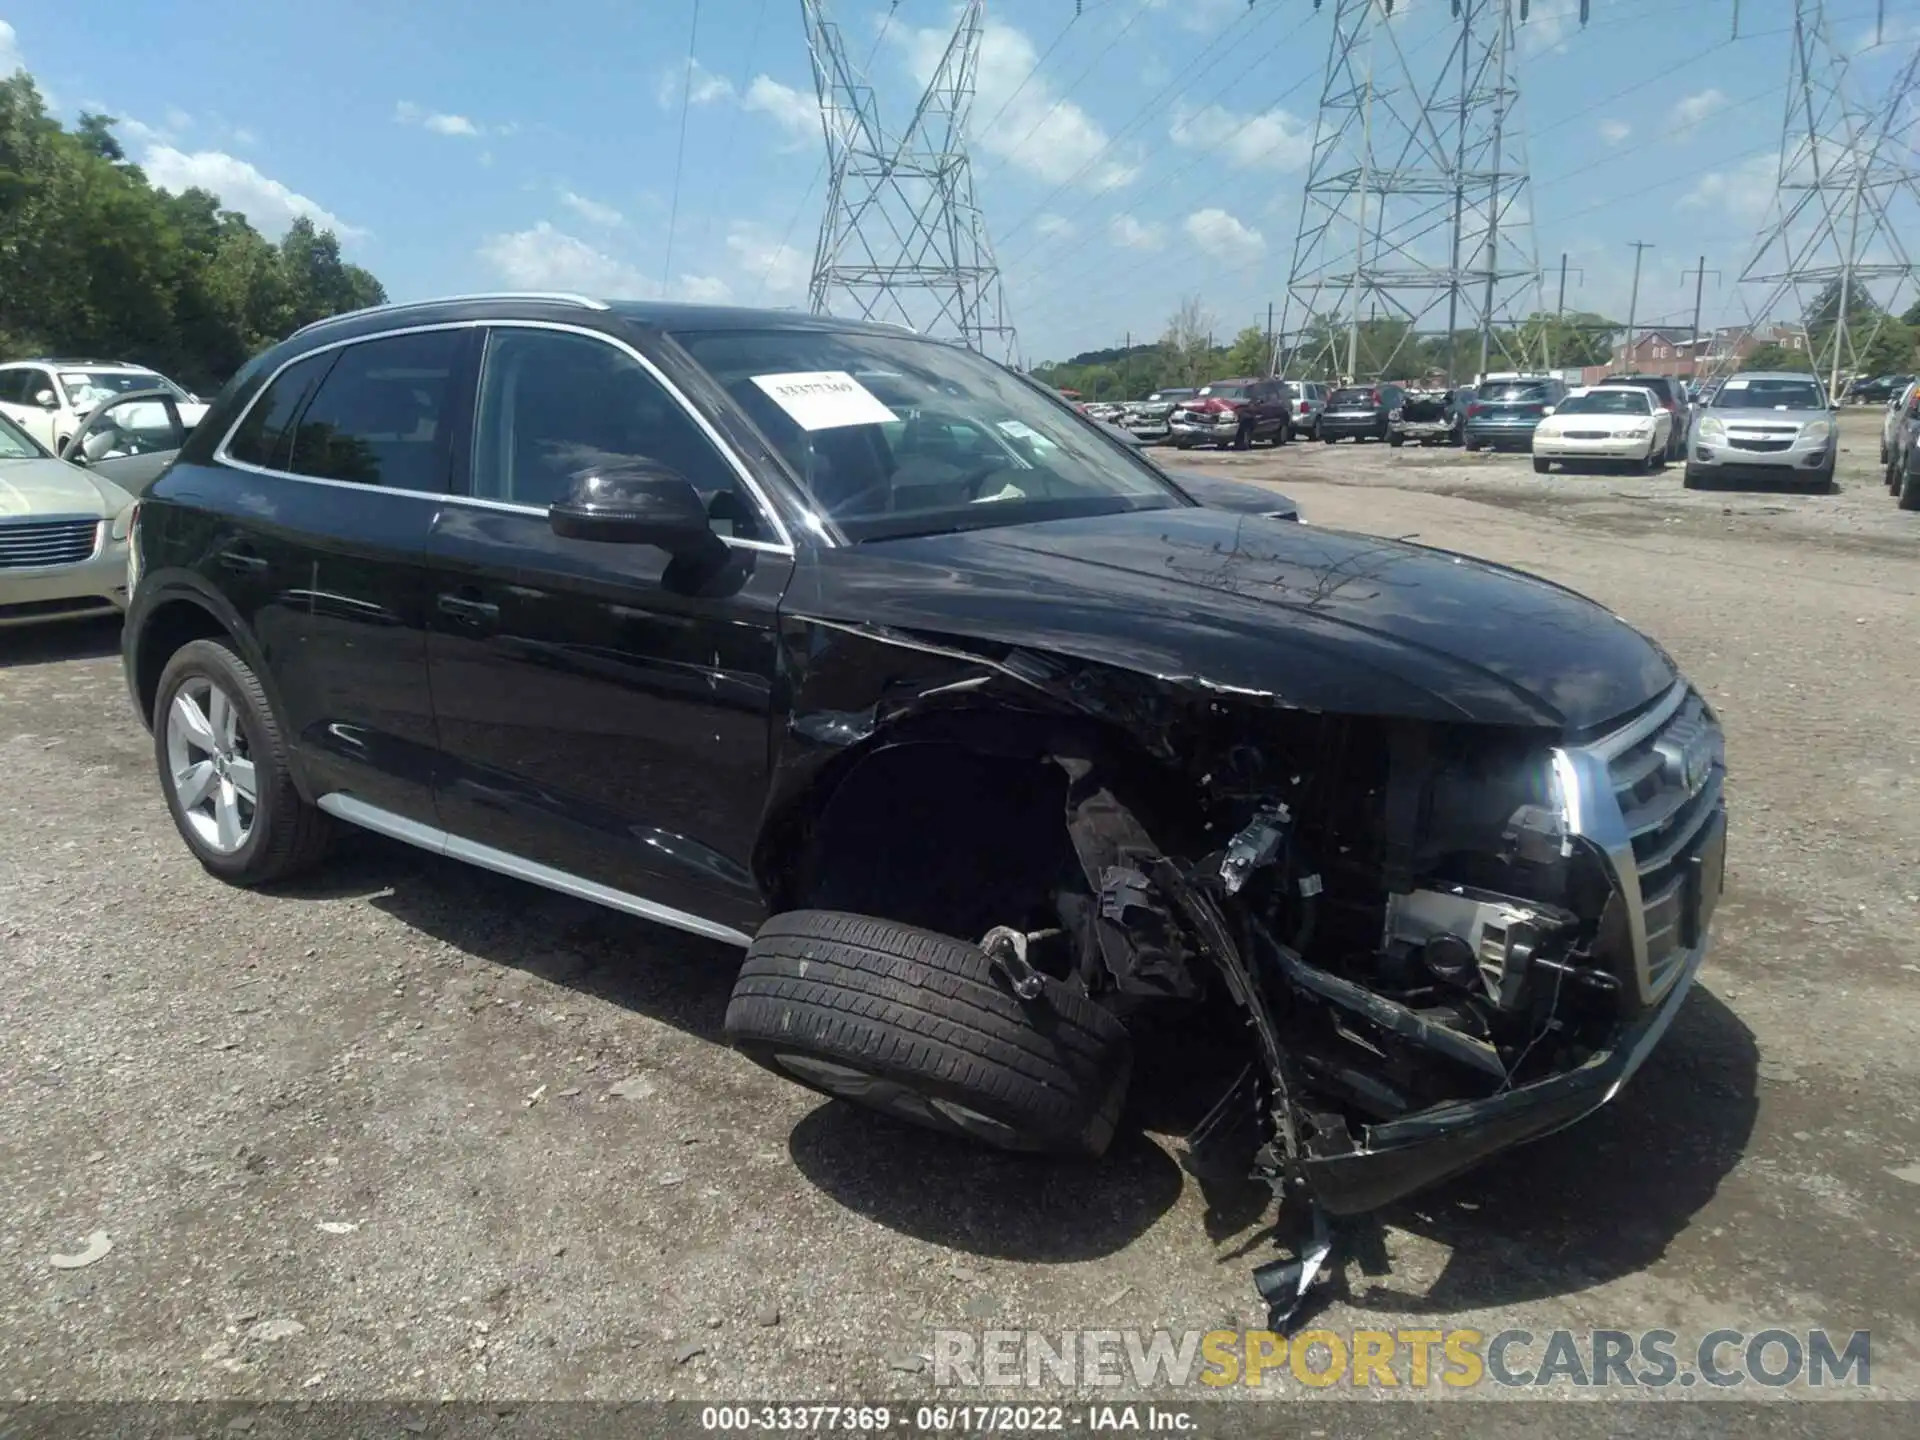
{"type": "Point", "coordinates": [1674, 352]}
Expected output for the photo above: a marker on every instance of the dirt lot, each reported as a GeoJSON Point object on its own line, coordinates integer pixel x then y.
{"type": "Point", "coordinates": [411, 1130]}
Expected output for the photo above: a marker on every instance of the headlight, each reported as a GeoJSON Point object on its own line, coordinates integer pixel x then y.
{"type": "Point", "coordinates": [1640, 432]}
{"type": "Point", "coordinates": [1816, 430]}
{"type": "Point", "coordinates": [123, 523]}
{"type": "Point", "coordinates": [1713, 428]}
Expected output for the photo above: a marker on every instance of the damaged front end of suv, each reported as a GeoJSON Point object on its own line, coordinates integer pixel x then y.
{"type": "Point", "coordinates": [1445, 935]}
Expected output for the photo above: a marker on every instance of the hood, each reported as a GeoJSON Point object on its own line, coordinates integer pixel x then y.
{"type": "Point", "coordinates": [31, 488]}
{"type": "Point", "coordinates": [1314, 618]}
{"type": "Point", "coordinates": [1767, 415]}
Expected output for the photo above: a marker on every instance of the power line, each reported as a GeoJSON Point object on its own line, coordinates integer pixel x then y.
{"type": "Point", "coordinates": [680, 152]}
{"type": "Point", "coordinates": [1051, 110]}
{"type": "Point", "coordinates": [733, 121]}
{"type": "Point", "coordinates": [1032, 70]}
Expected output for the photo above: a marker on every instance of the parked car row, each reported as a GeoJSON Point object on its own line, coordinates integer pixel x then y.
{"type": "Point", "coordinates": [1900, 446]}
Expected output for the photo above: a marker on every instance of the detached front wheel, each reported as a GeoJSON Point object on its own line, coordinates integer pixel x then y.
{"type": "Point", "coordinates": [922, 1027]}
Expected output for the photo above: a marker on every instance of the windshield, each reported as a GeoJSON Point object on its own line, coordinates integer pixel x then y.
{"type": "Point", "coordinates": [1740, 393]}
{"type": "Point", "coordinates": [16, 444]}
{"type": "Point", "coordinates": [893, 436]}
{"type": "Point", "coordinates": [88, 388]}
{"type": "Point", "coordinates": [1618, 401]}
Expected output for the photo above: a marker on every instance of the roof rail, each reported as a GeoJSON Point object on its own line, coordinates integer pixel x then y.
{"type": "Point", "coordinates": [560, 297]}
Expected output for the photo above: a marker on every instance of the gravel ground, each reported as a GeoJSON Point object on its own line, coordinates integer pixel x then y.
{"type": "Point", "coordinates": [409, 1130]}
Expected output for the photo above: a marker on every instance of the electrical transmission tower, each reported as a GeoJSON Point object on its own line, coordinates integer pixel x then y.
{"type": "Point", "coordinates": [902, 238]}
{"type": "Point", "coordinates": [1847, 193]}
{"type": "Point", "coordinates": [1416, 211]}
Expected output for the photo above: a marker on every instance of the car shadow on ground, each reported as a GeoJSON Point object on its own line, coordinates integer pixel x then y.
{"type": "Point", "coordinates": [55, 642]}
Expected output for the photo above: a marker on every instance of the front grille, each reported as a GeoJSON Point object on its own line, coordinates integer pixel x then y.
{"type": "Point", "coordinates": [1588, 435]}
{"type": "Point", "coordinates": [1668, 785]}
{"type": "Point", "coordinates": [1763, 447]}
{"type": "Point", "coordinates": [32, 544]}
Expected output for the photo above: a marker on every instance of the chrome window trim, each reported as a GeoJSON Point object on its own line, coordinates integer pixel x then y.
{"type": "Point", "coordinates": [552, 297]}
{"type": "Point", "coordinates": [442, 842]}
{"type": "Point", "coordinates": [223, 456]}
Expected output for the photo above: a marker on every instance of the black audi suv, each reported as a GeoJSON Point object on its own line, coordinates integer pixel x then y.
{"type": "Point", "coordinates": [981, 735]}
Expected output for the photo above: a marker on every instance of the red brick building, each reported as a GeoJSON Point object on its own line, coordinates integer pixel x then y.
{"type": "Point", "coordinates": [1674, 352]}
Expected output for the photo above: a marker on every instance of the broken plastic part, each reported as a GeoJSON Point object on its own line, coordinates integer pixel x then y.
{"type": "Point", "coordinates": [1310, 886]}
{"type": "Point", "coordinates": [1256, 845]}
{"type": "Point", "coordinates": [1284, 1284]}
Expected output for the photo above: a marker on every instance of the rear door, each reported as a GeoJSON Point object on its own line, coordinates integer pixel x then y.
{"type": "Point", "coordinates": [334, 476]}
{"type": "Point", "coordinates": [603, 710]}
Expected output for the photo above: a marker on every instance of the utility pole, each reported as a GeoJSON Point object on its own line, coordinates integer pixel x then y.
{"type": "Point", "coordinates": [1561, 308]}
{"type": "Point", "coordinates": [1699, 273]}
{"type": "Point", "coordinates": [1633, 300]}
{"type": "Point", "coordinates": [1270, 369]}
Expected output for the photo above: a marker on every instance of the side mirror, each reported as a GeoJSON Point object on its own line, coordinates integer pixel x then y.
{"type": "Point", "coordinates": [638, 503]}
{"type": "Point", "coordinates": [46, 400]}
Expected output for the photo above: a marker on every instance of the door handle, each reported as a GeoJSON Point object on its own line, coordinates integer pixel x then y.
{"type": "Point", "coordinates": [468, 609]}
{"type": "Point", "coordinates": [242, 561]}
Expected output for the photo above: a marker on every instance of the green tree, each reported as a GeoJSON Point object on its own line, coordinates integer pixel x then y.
{"type": "Point", "coordinates": [1248, 355]}
{"type": "Point", "coordinates": [1777, 357]}
{"type": "Point", "coordinates": [95, 260]}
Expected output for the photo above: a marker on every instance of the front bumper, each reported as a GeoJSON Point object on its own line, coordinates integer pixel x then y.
{"type": "Point", "coordinates": [1797, 460]}
{"type": "Point", "coordinates": [1204, 432]}
{"type": "Point", "coordinates": [1149, 429]}
{"type": "Point", "coordinates": [1614, 447]}
{"type": "Point", "coordinates": [1402, 1156]}
{"type": "Point", "coordinates": [94, 586]}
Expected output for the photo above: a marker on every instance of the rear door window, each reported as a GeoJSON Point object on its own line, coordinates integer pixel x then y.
{"type": "Point", "coordinates": [381, 415]}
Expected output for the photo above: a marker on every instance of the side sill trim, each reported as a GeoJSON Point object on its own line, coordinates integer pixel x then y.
{"type": "Point", "coordinates": [439, 842]}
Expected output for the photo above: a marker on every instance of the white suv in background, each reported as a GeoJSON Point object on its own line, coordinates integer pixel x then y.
{"type": "Point", "coordinates": [50, 398]}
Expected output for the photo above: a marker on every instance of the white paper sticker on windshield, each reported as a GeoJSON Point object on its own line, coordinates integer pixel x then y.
{"type": "Point", "coordinates": [824, 399]}
{"type": "Point", "coordinates": [1734, 385]}
{"type": "Point", "coordinates": [1019, 430]}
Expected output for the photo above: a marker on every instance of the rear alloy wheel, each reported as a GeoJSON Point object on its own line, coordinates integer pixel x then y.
{"type": "Point", "coordinates": [923, 1027]}
{"type": "Point", "coordinates": [223, 768]}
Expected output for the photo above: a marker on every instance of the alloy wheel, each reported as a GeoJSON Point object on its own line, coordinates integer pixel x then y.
{"type": "Point", "coordinates": [211, 769]}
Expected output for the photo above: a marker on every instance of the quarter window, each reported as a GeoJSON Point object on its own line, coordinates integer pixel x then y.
{"type": "Point", "coordinates": [380, 415]}
{"type": "Point", "coordinates": [265, 436]}
{"type": "Point", "coordinates": [555, 406]}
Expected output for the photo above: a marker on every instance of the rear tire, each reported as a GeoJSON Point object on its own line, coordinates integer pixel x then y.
{"type": "Point", "coordinates": [920, 1026]}
{"type": "Point", "coordinates": [278, 833]}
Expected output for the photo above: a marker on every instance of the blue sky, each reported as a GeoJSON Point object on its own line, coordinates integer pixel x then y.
{"type": "Point", "coordinates": [1157, 149]}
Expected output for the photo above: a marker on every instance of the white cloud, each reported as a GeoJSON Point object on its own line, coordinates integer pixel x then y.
{"type": "Point", "coordinates": [1273, 140]}
{"type": "Point", "coordinates": [1549, 25]}
{"type": "Point", "coordinates": [1205, 15]}
{"type": "Point", "coordinates": [594, 211]}
{"type": "Point", "coordinates": [792, 110]}
{"type": "Point", "coordinates": [703, 86]}
{"type": "Point", "coordinates": [10, 57]}
{"type": "Point", "coordinates": [1130, 234]}
{"type": "Point", "coordinates": [704, 290]}
{"type": "Point", "coordinates": [1614, 131]}
{"type": "Point", "coordinates": [457, 126]}
{"type": "Point", "coordinates": [1223, 237]}
{"type": "Point", "coordinates": [544, 258]}
{"type": "Point", "coordinates": [1054, 227]}
{"type": "Point", "coordinates": [1036, 130]}
{"type": "Point", "coordinates": [271, 206]}
{"type": "Point", "coordinates": [1691, 110]}
{"type": "Point", "coordinates": [1743, 192]}
{"type": "Point", "coordinates": [784, 269]}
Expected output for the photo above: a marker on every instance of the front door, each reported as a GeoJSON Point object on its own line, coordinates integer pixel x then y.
{"type": "Point", "coordinates": [600, 712]}
{"type": "Point", "coordinates": [130, 440]}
